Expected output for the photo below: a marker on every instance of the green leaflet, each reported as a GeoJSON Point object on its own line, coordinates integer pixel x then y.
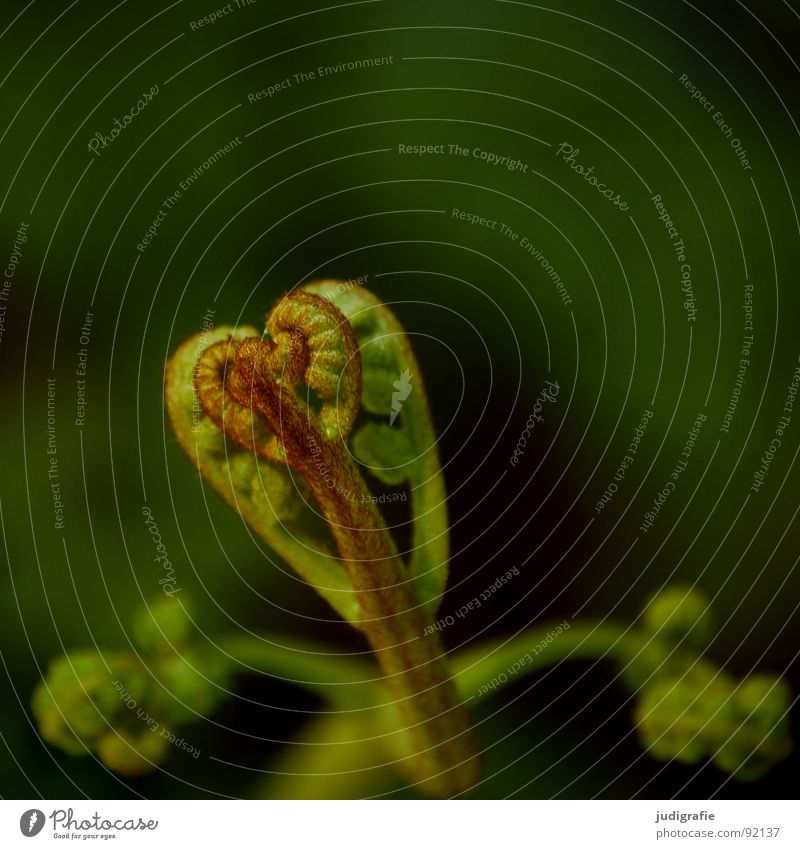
{"type": "Point", "coordinates": [125, 707]}
{"type": "Point", "coordinates": [385, 451]}
{"type": "Point", "coordinates": [272, 500]}
{"type": "Point", "coordinates": [386, 355]}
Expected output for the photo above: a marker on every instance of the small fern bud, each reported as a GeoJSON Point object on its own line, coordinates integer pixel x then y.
{"type": "Point", "coordinates": [161, 625]}
{"type": "Point", "coordinates": [759, 735]}
{"type": "Point", "coordinates": [85, 694]}
{"type": "Point", "coordinates": [680, 615]}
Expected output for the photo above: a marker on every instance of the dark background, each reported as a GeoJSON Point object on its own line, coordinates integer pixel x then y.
{"type": "Point", "coordinates": [319, 189]}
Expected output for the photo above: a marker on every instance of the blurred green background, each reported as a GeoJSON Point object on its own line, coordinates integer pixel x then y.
{"type": "Point", "coordinates": [319, 187]}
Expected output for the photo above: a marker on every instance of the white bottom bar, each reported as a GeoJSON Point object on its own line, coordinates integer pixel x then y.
{"type": "Point", "coordinates": [401, 825]}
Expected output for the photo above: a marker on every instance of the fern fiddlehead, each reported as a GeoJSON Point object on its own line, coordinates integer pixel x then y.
{"type": "Point", "coordinates": [291, 397]}
{"type": "Point", "coordinates": [284, 425]}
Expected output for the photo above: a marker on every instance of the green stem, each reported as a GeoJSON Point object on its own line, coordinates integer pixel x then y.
{"type": "Point", "coordinates": [442, 755]}
{"type": "Point", "coordinates": [383, 342]}
{"type": "Point", "coordinates": [343, 754]}
{"type": "Point", "coordinates": [348, 752]}
{"type": "Point", "coordinates": [475, 667]}
{"type": "Point", "coordinates": [344, 680]}
{"type": "Point", "coordinates": [339, 680]}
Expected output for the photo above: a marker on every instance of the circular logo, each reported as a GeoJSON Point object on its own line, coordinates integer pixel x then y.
{"type": "Point", "coordinates": [31, 822]}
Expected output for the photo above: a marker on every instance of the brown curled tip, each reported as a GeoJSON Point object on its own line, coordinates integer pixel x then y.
{"type": "Point", "coordinates": [315, 340]}
{"type": "Point", "coordinates": [220, 387]}
{"type": "Point", "coordinates": [244, 385]}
